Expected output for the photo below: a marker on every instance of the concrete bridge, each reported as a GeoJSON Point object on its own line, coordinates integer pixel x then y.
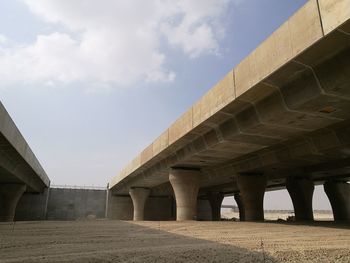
{"type": "Point", "coordinates": [279, 119]}
{"type": "Point", "coordinates": [20, 171]}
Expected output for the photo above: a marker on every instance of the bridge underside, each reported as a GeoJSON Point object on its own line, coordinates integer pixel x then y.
{"type": "Point", "coordinates": [296, 122]}
{"type": "Point", "coordinates": [20, 171]}
{"type": "Point", "coordinates": [281, 117]}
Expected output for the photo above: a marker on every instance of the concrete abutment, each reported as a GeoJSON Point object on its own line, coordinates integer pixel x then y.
{"type": "Point", "coordinates": [9, 197]}
{"type": "Point", "coordinates": [185, 184]}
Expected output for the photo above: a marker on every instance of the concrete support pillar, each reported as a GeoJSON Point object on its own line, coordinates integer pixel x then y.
{"type": "Point", "coordinates": [139, 196]}
{"type": "Point", "coordinates": [185, 184]}
{"type": "Point", "coordinates": [252, 190]}
{"type": "Point", "coordinates": [9, 197]}
{"type": "Point", "coordinates": [215, 200]}
{"type": "Point", "coordinates": [339, 196]}
{"type": "Point", "coordinates": [238, 199]}
{"type": "Point", "coordinates": [301, 191]}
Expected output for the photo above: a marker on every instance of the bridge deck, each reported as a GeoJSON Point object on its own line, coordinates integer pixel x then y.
{"type": "Point", "coordinates": [268, 114]}
{"type": "Point", "coordinates": [18, 163]}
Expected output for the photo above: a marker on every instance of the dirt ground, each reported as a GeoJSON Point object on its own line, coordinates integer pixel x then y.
{"type": "Point", "coordinates": [121, 241]}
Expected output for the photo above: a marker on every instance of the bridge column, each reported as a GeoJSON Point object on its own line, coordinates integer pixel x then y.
{"type": "Point", "coordinates": [252, 190]}
{"type": "Point", "coordinates": [185, 184]}
{"type": "Point", "coordinates": [238, 199]}
{"type": "Point", "coordinates": [338, 193]}
{"type": "Point", "coordinates": [9, 197]}
{"type": "Point", "coordinates": [301, 191]}
{"type": "Point", "coordinates": [139, 196]}
{"type": "Point", "coordinates": [215, 200]}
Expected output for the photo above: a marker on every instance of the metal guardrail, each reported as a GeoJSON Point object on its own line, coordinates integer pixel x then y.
{"type": "Point", "coordinates": [229, 206]}
{"type": "Point", "coordinates": [320, 211]}
{"type": "Point", "coordinates": [87, 187]}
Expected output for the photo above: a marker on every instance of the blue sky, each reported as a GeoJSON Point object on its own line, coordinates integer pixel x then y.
{"type": "Point", "coordinates": [91, 85]}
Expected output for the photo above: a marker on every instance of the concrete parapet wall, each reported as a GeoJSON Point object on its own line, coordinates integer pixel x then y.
{"type": "Point", "coordinates": [62, 204]}
{"type": "Point", "coordinates": [72, 204]}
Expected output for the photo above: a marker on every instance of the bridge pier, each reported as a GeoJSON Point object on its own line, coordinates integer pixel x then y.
{"type": "Point", "coordinates": [238, 199]}
{"type": "Point", "coordinates": [139, 196]}
{"type": "Point", "coordinates": [338, 193]}
{"type": "Point", "coordinates": [9, 197]}
{"type": "Point", "coordinates": [252, 190]}
{"type": "Point", "coordinates": [215, 200]}
{"type": "Point", "coordinates": [301, 191]}
{"type": "Point", "coordinates": [185, 184]}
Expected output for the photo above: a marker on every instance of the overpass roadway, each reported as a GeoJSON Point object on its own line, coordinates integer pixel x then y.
{"type": "Point", "coordinates": [20, 171]}
{"type": "Point", "coordinates": [279, 119]}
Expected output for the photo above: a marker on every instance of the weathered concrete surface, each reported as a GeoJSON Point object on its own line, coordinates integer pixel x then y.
{"type": "Point", "coordinates": [72, 204]}
{"type": "Point", "coordinates": [156, 208]}
{"type": "Point", "coordinates": [252, 190]}
{"type": "Point", "coordinates": [139, 197]}
{"type": "Point", "coordinates": [62, 204]}
{"type": "Point", "coordinates": [9, 196]}
{"type": "Point", "coordinates": [284, 110]}
{"type": "Point", "coordinates": [301, 191]}
{"type": "Point", "coordinates": [204, 212]}
{"type": "Point", "coordinates": [239, 202]}
{"type": "Point", "coordinates": [333, 13]}
{"type": "Point", "coordinates": [160, 208]}
{"type": "Point", "coordinates": [215, 200]}
{"type": "Point", "coordinates": [119, 207]}
{"type": "Point", "coordinates": [33, 206]}
{"type": "Point", "coordinates": [20, 171]}
{"type": "Point", "coordinates": [339, 196]}
{"type": "Point", "coordinates": [18, 163]}
{"type": "Point", "coordinates": [185, 184]}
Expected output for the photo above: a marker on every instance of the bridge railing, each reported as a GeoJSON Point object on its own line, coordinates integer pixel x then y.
{"type": "Point", "coordinates": [90, 187]}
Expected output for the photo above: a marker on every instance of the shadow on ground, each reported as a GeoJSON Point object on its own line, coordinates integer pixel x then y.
{"type": "Point", "coordinates": [112, 241]}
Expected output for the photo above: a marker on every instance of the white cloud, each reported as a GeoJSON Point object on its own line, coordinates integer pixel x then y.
{"type": "Point", "coordinates": [112, 41]}
{"type": "Point", "coordinates": [3, 39]}
{"type": "Point", "coordinates": [198, 30]}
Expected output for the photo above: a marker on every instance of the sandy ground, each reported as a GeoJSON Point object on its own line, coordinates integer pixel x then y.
{"type": "Point", "coordinates": [225, 241]}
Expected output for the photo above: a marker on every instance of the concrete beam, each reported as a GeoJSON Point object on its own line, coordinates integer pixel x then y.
{"type": "Point", "coordinates": [16, 157]}
{"type": "Point", "coordinates": [333, 13]}
{"type": "Point", "coordinates": [264, 115]}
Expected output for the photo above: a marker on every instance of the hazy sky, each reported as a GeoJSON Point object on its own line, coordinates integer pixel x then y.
{"type": "Point", "coordinates": [91, 83]}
